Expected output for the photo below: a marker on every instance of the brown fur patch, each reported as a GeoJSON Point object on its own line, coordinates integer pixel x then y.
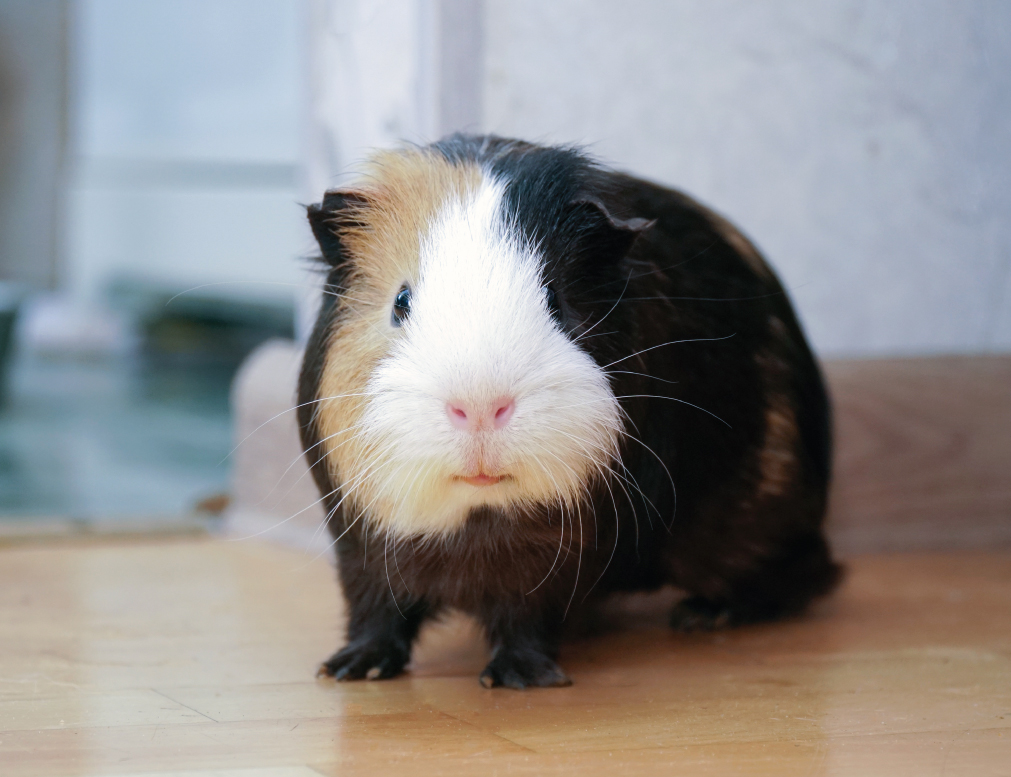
{"type": "Point", "coordinates": [741, 244]}
{"type": "Point", "coordinates": [777, 463]}
{"type": "Point", "coordinates": [402, 192]}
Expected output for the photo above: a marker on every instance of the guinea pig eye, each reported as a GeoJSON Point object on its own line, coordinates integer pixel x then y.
{"type": "Point", "coordinates": [401, 307]}
{"type": "Point", "coordinates": [554, 307]}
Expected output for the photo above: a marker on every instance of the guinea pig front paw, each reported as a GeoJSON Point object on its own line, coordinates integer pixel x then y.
{"type": "Point", "coordinates": [699, 614]}
{"type": "Point", "coordinates": [365, 661]}
{"type": "Point", "coordinates": [523, 669]}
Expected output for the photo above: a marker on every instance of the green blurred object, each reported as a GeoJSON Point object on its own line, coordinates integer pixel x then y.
{"type": "Point", "coordinates": [192, 343]}
{"type": "Point", "coordinates": [10, 300]}
{"type": "Point", "coordinates": [193, 331]}
{"type": "Point", "coordinates": [140, 433]}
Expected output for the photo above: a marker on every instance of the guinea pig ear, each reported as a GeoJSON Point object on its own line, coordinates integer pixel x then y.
{"type": "Point", "coordinates": [612, 237]}
{"type": "Point", "coordinates": [327, 217]}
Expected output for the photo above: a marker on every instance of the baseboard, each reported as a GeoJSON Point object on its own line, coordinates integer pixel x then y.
{"type": "Point", "coordinates": [923, 453]}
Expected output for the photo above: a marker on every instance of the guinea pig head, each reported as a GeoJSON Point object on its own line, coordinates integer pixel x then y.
{"type": "Point", "coordinates": [450, 381]}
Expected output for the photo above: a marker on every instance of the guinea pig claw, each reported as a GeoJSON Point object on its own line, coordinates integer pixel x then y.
{"type": "Point", "coordinates": [698, 614]}
{"type": "Point", "coordinates": [519, 672]}
{"type": "Point", "coordinates": [366, 661]}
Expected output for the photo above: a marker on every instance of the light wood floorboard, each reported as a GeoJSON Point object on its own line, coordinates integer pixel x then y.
{"type": "Point", "coordinates": [196, 658]}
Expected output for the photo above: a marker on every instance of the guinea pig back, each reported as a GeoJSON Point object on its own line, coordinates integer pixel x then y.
{"type": "Point", "coordinates": [534, 382]}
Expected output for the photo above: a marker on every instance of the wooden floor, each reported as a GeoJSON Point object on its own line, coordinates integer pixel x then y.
{"type": "Point", "coordinates": [196, 657]}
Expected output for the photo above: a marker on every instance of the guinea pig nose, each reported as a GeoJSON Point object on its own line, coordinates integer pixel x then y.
{"type": "Point", "coordinates": [458, 415]}
{"type": "Point", "coordinates": [503, 412]}
{"type": "Point", "coordinates": [472, 417]}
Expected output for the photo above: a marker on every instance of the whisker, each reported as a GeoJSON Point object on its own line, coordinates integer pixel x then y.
{"type": "Point", "coordinates": [586, 332]}
{"type": "Point", "coordinates": [292, 409]}
{"type": "Point", "coordinates": [386, 563]}
{"type": "Point", "coordinates": [579, 566]}
{"type": "Point", "coordinates": [672, 342]}
{"type": "Point", "coordinates": [641, 375]}
{"type": "Point", "coordinates": [675, 399]}
{"type": "Point", "coordinates": [304, 454]}
{"type": "Point", "coordinates": [669, 477]}
{"type": "Point", "coordinates": [561, 537]}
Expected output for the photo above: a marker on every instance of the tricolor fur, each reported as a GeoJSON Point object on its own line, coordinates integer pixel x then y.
{"type": "Point", "coordinates": [533, 379]}
{"type": "Point", "coordinates": [480, 328]}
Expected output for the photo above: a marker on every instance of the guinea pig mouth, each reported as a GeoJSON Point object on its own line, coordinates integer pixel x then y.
{"type": "Point", "coordinates": [481, 479]}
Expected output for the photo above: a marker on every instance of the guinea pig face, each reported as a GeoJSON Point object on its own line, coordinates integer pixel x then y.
{"type": "Point", "coordinates": [454, 385]}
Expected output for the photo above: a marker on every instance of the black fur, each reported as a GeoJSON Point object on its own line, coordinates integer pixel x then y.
{"type": "Point", "coordinates": [700, 341]}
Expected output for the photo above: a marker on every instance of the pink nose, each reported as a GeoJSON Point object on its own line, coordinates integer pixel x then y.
{"type": "Point", "coordinates": [472, 417]}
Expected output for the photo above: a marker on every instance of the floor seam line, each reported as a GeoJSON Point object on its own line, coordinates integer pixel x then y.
{"type": "Point", "coordinates": [492, 733]}
{"type": "Point", "coordinates": [187, 706]}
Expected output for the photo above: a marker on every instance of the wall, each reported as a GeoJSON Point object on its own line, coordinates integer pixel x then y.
{"type": "Point", "coordinates": [866, 147]}
{"type": "Point", "coordinates": [33, 92]}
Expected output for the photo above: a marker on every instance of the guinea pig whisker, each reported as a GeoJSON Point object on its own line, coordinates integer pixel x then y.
{"type": "Point", "coordinates": [586, 332]}
{"type": "Point", "coordinates": [324, 288]}
{"type": "Point", "coordinates": [665, 268]}
{"type": "Point", "coordinates": [635, 515]}
{"type": "Point", "coordinates": [342, 295]}
{"type": "Point", "coordinates": [326, 522]}
{"type": "Point", "coordinates": [365, 319]}
{"type": "Point", "coordinates": [590, 337]}
{"type": "Point", "coordinates": [617, 532]}
{"type": "Point", "coordinates": [586, 448]}
{"type": "Point", "coordinates": [669, 477]}
{"type": "Point", "coordinates": [291, 409]}
{"type": "Point", "coordinates": [601, 462]}
{"type": "Point", "coordinates": [628, 472]}
{"type": "Point", "coordinates": [641, 375]}
{"type": "Point", "coordinates": [363, 511]}
{"type": "Point", "coordinates": [355, 484]}
{"type": "Point", "coordinates": [309, 468]}
{"type": "Point", "coordinates": [561, 538]}
{"type": "Point", "coordinates": [399, 498]}
{"type": "Point", "coordinates": [396, 564]}
{"type": "Point", "coordinates": [281, 522]}
{"type": "Point", "coordinates": [604, 472]}
{"type": "Point", "coordinates": [651, 298]}
{"type": "Point", "coordinates": [629, 479]}
{"type": "Point", "coordinates": [240, 283]}
{"type": "Point", "coordinates": [653, 270]}
{"type": "Point", "coordinates": [571, 518]}
{"type": "Point", "coordinates": [675, 399]}
{"type": "Point", "coordinates": [672, 342]}
{"type": "Point", "coordinates": [708, 299]}
{"type": "Point", "coordinates": [348, 490]}
{"type": "Point", "coordinates": [386, 563]}
{"type": "Point", "coordinates": [351, 525]}
{"type": "Point", "coordinates": [579, 566]}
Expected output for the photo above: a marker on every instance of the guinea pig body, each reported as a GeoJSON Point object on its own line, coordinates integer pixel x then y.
{"type": "Point", "coordinates": [534, 382]}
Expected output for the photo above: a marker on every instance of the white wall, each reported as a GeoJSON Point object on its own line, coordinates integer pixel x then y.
{"type": "Point", "coordinates": [387, 71]}
{"type": "Point", "coordinates": [865, 146]}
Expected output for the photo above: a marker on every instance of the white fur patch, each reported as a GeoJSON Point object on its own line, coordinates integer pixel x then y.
{"type": "Point", "coordinates": [479, 330]}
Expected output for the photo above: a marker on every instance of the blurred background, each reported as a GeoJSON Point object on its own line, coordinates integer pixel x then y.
{"type": "Point", "coordinates": [155, 156]}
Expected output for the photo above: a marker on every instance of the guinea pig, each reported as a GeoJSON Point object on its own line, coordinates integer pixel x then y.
{"type": "Point", "coordinates": [534, 382]}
